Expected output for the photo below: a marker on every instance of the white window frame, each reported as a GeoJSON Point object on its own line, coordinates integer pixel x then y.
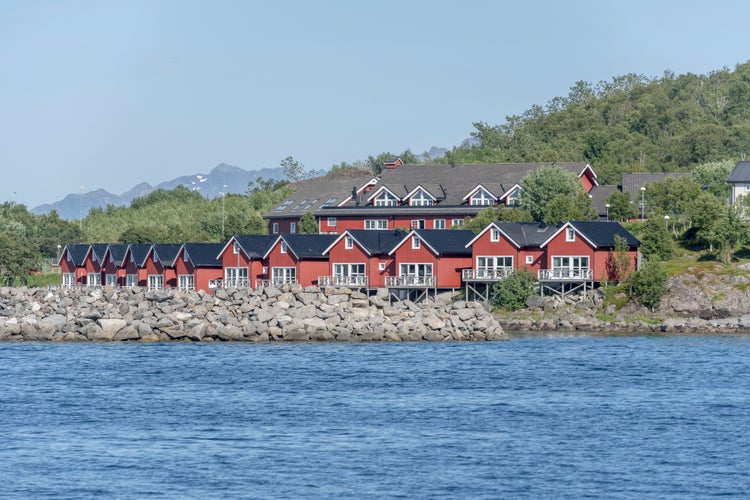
{"type": "Point", "coordinates": [283, 275]}
{"type": "Point", "coordinates": [186, 282]}
{"type": "Point", "coordinates": [570, 234]}
{"type": "Point", "coordinates": [416, 243]}
{"type": "Point", "coordinates": [348, 242]}
{"type": "Point", "coordinates": [421, 199]}
{"type": "Point", "coordinates": [438, 224]}
{"type": "Point", "coordinates": [110, 279]}
{"type": "Point", "coordinates": [68, 279]}
{"type": "Point", "coordinates": [292, 227]}
{"type": "Point", "coordinates": [529, 259]}
{"type": "Point", "coordinates": [275, 228]}
{"type": "Point", "coordinates": [283, 247]}
{"type": "Point", "coordinates": [381, 266]}
{"type": "Point", "coordinates": [571, 262]}
{"type": "Point", "coordinates": [131, 280]}
{"type": "Point", "coordinates": [491, 263]}
{"type": "Point", "coordinates": [415, 269]}
{"type": "Point", "coordinates": [94, 279]}
{"type": "Point", "coordinates": [331, 221]}
{"type": "Point", "coordinates": [514, 198]}
{"type": "Point", "coordinates": [155, 281]}
{"type": "Point", "coordinates": [481, 198]}
{"type": "Point", "coordinates": [457, 223]}
{"type": "Point", "coordinates": [345, 270]}
{"type": "Point", "coordinates": [494, 235]}
{"type": "Point", "coordinates": [236, 277]}
{"type": "Point", "coordinates": [376, 224]}
{"type": "Point", "coordinates": [236, 248]}
{"type": "Point", "coordinates": [385, 199]}
{"type": "Point", "coordinates": [418, 224]}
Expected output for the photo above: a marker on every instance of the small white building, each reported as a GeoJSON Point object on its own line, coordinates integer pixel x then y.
{"type": "Point", "coordinates": [740, 180]}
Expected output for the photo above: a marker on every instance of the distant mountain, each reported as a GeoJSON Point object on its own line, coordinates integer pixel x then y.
{"type": "Point", "coordinates": [211, 185]}
{"type": "Point", "coordinates": [434, 152]}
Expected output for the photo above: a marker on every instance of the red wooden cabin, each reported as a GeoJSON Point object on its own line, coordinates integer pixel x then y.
{"type": "Point", "coordinates": [359, 258]}
{"type": "Point", "coordinates": [242, 260]}
{"type": "Point", "coordinates": [297, 258]}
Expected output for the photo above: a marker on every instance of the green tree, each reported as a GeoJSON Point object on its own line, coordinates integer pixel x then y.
{"type": "Point", "coordinates": [621, 207]}
{"type": "Point", "coordinates": [708, 215]}
{"type": "Point", "coordinates": [293, 170]}
{"type": "Point", "coordinates": [648, 284]}
{"type": "Point", "coordinates": [308, 224]}
{"type": "Point", "coordinates": [551, 194]}
{"type": "Point", "coordinates": [619, 263]}
{"type": "Point", "coordinates": [512, 292]}
{"type": "Point", "coordinates": [672, 197]}
{"type": "Point", "coordinates": [713, 176]}
{"type": "Point", "coordinates": [376, 164]}
{"type": "Point", "coordinates": [655, 241]}
{"type": "Point", "coordinates": [492, 214]}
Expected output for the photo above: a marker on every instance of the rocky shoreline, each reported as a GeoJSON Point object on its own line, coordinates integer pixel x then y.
{"type": "Point", "coordinates": [289, 313]}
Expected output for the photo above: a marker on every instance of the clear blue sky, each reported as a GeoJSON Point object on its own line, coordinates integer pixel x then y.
{"type": "Point", "coordinates": [108, 94]}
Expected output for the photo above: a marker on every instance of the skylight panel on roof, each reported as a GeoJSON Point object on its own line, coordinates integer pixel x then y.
{"type": "Point", "coordinates": [309, 205]}
{"type": "Point", "coordinates": [300, 204]}
{"type": "Point", "coordinates": [328, 202]}
{"type": "Point", "coordinates": [284, 205]}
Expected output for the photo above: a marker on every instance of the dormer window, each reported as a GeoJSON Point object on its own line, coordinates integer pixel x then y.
{"type": "Point", "coordinates": [514, 198]}
{"type": "Point", "coordinates": [570, 234]}
{"type": "Point", "coordinates": [385, 199]}
{"type": "Point", "coordinates": [422, 199]}
{"type": "Point", "coordinates": [481, 198]}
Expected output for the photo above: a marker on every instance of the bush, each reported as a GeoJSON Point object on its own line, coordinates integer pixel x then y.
{"type": "Point", "coordinates": [511, 293]}
{"type": "Point", "coordinates": [648, 284]}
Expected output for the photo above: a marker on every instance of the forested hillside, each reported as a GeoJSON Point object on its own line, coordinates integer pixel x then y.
{"type": "Point", "coordinates": [629, 124]}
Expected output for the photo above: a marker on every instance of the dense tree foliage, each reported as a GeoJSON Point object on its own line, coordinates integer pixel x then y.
{"type": "Point", "coordinates": [629, 124]}
{"type": "Point", "coordinates": [648, 284]}
{"type": "Point", "coordinates": [512, 292]}
{"type": "Point", "coordinates": [308, 224]}
{"type": "Point", "coordinates": [551, 194]}
{"type": "Point", "coordinates": [376, 164]}
{"type": "Point", "coordinates": [621, 207]}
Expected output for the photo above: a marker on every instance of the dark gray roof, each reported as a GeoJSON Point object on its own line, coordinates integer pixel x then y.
{"type": "Point", "coordinates": [255, 246]}
{"type": "Point", "coordinates": [118, 251]}
{"type": "Point", "coordinates": [741, 172]}
{"type": "Point", "coordinates": [311, 195]}
{"type": "Point", "coordinates": [139, 251]}
{"type": "Point", "coordinates": [309, 246]}
{"type": "Point", "coordinates": [447, 241]}
{"type": "Point", "coordinates": [99, 249]}
{"type": "Point", "coordinates": [631, 183]}
{"type": "Point", "coordinates": [204, 254]}
{"type": "Point", "coordinates": [375, 212]}
{"type": "Point", "coordinates": [527, 234]}
{"type": "Point", "coordinates": [602, 233]}
{"type": "Point", "coordinates": [167, 252]}
{"type": "Point", "coordinates": [77, 252]}
{"type": "Point", "coordinates": [599, 195]}
{"type": "Point", "coordinates": [377, 242]}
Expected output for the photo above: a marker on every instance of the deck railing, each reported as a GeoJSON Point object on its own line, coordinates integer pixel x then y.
{"type": "Point", "coordinates": [235, 283]}
{"type": "Point", "coordinates": [275, 282]}
{"type": "Point", "coordinates": [486, 274]}
{"type": "Point", "coordinates": [345, 281]}
{"type": "Point", "coordinates": [565, 274]}
{"type": "Point", "coordinates": [409, 281]}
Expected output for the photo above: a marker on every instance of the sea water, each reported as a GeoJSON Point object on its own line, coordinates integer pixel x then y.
{"type": "Point", "coordinates": [535, 417]}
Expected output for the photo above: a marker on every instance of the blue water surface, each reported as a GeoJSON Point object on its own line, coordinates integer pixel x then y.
{"type": "Point", "coordinates": [535, 417]}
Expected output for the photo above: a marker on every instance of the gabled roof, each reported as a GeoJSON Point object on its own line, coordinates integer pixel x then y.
{"type": "Point", "coordinates": [599, 196]}
{"type": "Point", "coordinates": [377, 192]}
{"type": "Point", "coordinates": [433, 191]}
{"type": "Point", "coordinates": [305, 246]}
{"type": "Point", "coordinates": [371, 241]}
{"type": "Point", "coordinates": [740, 173]}
{"type": "Point", "coordinates": [478, 188]}
{"type": "Point", "coordinates": [203, 254]}
{"type": "Point", "coordinates": [314, 194]}
{"type": "Point", "coordinates": [440, 241]}
{"type": "Point", "coordinates": [167, 252]}
{"type": "Point", "coordinates": [98, 250]}
{"type": "Point", "coordinates": [631, 183]}
{"type": "Point", "coordinates": [77, 253]}
{"type": "Point", "coordinates": [118, 252]}
{"type": "Point", "coordinates": [139, 252]}
{"type": "Point", "coordinates": [599, 234]}
{"type": "Point", "coordinates": [254, 246]}
{"type": "Point", "coordinates": [520, 234]}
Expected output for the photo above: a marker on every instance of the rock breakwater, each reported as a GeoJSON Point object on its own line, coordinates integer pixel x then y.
{"type": "Point", "coordinates": [289, 313]}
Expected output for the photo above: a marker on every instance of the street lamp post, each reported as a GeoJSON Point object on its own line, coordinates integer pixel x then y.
{"type": "Point", "coordinates": [607, 207]}
{"type": "Point", "coordinates": [643, 202]}
{"type": "Point", "coordinates": [80, 210]}
{"type": "Point", "coordinates": [666, 222]}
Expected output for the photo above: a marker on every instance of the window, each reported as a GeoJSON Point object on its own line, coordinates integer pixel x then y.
{"type": "Point", "coordinates": [529, 259]}
{"type": "Point", "coordinates": [349, 270]}
{"type": "Point", "coordinates": [236, 248]}
{"type": "Point", "coordinates": [131, 280]}
{"type": "Point", "coordinates": [385, 199]}
{"type": "Point", "coordinates": [747, 187]}
{"type": "Point", "coordinates": [68, 279]}
{"type": "Point", "coordinates": [381, 266]}
{"type": "Point", "coordinates": [379, 224]}
{"type": "Point", "coordinates": [348, 243]}
{"type": "Point", "coordinates": [421, 199]}
{"type": "Point", "coordinates": [185, 282]}
{"type": "Point", "coordinates": [95, 279]}
{"type": "Point", "coordinates": [491, 266]}
{"type": "Point", "coordinates": [514, 198]}
{"type": "Point", "coordinates": [331, 221]}
{"type": "Point", "coordinates": [570, 267]}
{"type": "Point", "coordinates": [155, 281]}
{"type": "Point", "coordinates": [282, 275]}
{"type": "Point", "coordinates": [235, 277]}
{"type": "Point", "coordinates": [416, 243]}
{"type": "Point", "coordinates": [457, 223]}
{"type": "Point", "coordinates": [292, 227]}
{"type": "Point", "coordinates": [416, 274]}
{"type": "Point", "coordinates": [275, 229]}
{"type": "Point", "coordinates": [494, 234]}
{"type": "Point", "coordinates": [283, 247]}
{"type": "Point", "coordinates": [481, 198]}
{"type": "Point", "coordinates": [570, 234]}
{"type": "Point", "coordinates": [418, 224]}
{"type": "Point", "coordinates": [438, 223]}
{"type": "Point", "coordinates": [111, 280]}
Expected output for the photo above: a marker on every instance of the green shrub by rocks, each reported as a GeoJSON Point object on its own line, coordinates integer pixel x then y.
{"type": "Point", "coordinates": [511, 293]}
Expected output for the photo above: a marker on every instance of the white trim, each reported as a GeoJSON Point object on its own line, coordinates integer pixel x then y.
{"type": "Point", "coordinates": [490, 226]}
{"type": "Point", "coordinates": [377, 193]}
{"type": "Point", "coordinates": [562, 228]}
{"type": "Point", "coordinates": [342, 235]}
